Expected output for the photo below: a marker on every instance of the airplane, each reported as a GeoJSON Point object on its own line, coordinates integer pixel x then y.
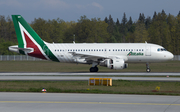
{"type": "Point", "coordinates": [111, 55]}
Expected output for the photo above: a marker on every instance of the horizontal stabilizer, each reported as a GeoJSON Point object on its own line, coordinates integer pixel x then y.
{"type": "Point", "coordinates": [15, 48]}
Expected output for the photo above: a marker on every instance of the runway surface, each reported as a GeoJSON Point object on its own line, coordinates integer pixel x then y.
{"type": "Point", "coordinates": [90, 74]}
{"type": "Point", "coordinates": [75, 78]}
{"type": "Point", "coordinates": [86, 76]}
{"type": "Point", "coordinates": [65, 102]}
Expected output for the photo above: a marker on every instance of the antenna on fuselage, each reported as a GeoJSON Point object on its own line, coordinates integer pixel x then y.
{"type": "Point", "coordinates": [74, 39]}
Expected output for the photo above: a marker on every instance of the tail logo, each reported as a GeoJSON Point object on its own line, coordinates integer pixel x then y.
{"type": "Point", "coordinates": [46, 50]}
{"type": "Point", "coordinates": [29, 42]}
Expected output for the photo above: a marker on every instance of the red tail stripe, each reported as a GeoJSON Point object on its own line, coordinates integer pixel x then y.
{"type": "Point", "coordinates": [29, 43]}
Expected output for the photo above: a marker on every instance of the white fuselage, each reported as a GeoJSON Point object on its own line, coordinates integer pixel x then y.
{"type": "Point", "coordinates": [134, 52]}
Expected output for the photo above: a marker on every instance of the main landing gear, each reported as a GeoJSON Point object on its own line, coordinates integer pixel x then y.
{"type": "Point", "coordinates": [94, 67]}
{"type": "Point", "coordinates": [147, 67]}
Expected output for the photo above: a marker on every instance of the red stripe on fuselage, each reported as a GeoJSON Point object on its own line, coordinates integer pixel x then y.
{"type": "Point", "coordinates": [30, 44]}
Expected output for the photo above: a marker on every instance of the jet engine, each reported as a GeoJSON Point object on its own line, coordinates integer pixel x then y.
{"type": "Point", "coordinates": [114, 64]}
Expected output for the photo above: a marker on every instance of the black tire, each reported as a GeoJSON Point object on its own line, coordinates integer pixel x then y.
{"type": "Point", "coordinates": [93, 69]}
{"type": "Point", "coordinates": [96, 69]}
{"type": "Point", "coordinates": [148, 70]}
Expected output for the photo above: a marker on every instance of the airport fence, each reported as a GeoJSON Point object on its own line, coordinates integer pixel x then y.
{"type": "Point", "coordinates": [29, 58]}
{"type": "Point", "coordinates": [18, 58]}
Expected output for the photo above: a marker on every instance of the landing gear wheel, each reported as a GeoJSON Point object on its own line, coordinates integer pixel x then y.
{"type": "Point", "coordinates": [93, 69]}
{"type": "Point", "coordinates": [148, 70]}
{"type": "Point", "coordinates": [147, 67]}
{"type": "Point", "coordinates": [96, 69]}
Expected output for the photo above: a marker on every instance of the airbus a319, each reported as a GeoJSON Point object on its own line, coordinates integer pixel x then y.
{"type": "Point", "coordinates": [111, 55]}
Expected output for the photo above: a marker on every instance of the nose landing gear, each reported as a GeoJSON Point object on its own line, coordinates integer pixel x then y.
{"type": "Point", "coordinates": [147, 67]}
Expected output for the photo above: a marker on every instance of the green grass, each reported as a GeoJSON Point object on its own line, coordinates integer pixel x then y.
{"type": "Point", "coordinates": [119, 87]}
{"type": "Point", "coordinates": [49, 66]}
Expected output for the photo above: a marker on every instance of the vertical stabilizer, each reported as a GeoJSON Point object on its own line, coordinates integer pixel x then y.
{"type": "Point", "coordinates": [23, 29]}
{"type": "Point", "coordinates": [29, 42]}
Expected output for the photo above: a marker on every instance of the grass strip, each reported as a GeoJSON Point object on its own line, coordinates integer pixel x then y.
{"type": "Point", "coordinates": [49, 66]}
{"type": "Point", "coordinates": [119, 87]}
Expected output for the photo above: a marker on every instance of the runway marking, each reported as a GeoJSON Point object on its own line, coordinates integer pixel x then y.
{"type": "Point", "coordinates": [88, 103]}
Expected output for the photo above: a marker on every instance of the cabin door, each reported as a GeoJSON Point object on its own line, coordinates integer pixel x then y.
{"type": "Point", "coordinates": [148, 50]}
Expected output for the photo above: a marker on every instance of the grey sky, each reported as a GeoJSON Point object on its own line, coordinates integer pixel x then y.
{"type": "Point", "coordinates": [71, 10]}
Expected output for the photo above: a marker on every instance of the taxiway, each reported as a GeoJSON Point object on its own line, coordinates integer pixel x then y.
{"type": "Point", "coordinates": [86, 76]}
{"type": "Point", "coordinates": [66, 102]}
{"type": "Point", "coordinates": [90, 74]}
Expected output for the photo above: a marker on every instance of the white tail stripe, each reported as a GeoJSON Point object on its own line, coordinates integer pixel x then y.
{"type": "Point", "coordinates": [22, 29]}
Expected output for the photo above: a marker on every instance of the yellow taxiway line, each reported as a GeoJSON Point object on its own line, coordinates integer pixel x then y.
{"type": "Point", "coordinates": [88, 103]}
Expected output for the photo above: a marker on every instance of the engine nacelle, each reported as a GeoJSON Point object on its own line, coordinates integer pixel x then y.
{"type": "Point", "coordinates": [114, 64]}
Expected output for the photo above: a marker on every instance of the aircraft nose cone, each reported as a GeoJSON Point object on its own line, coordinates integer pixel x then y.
{"type": "Point", "coordinates": [170, 56]}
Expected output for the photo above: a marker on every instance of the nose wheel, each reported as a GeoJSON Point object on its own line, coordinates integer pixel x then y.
{"type": "Point", "coordinates": [147, 67]}
{"type": "Point", "coordinates": [148, 70]}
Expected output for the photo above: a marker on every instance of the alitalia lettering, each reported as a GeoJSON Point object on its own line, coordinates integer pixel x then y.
{"type": "Point", "coordinates": [135, 54]}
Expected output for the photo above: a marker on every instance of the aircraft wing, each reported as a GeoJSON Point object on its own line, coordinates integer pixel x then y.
{"type": "Point", "coordinates": [95, 57]}
{"type": "Point", "coordinates": [88, 56]}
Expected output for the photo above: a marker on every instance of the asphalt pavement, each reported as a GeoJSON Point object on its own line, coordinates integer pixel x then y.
{"type": "Point", "coordinates": [67, 102]}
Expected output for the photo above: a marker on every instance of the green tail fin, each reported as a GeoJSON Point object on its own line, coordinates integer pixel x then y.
{"type": "Point", "coordinates": [22, 26]}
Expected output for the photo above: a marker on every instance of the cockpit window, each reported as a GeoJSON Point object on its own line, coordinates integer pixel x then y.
{"type": "Point", "coordinates": [161, 49]}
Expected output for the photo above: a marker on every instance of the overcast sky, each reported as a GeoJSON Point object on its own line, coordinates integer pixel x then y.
{"type": "Point", "coordinates": [71, 10]}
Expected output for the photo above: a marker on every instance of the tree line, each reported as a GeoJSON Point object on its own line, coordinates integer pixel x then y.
{"type": "Point", "coordinates": [162, 29]}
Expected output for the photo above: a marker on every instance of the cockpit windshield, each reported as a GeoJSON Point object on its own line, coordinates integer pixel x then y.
{"type": "Point", "coordinates": [161, 49]}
